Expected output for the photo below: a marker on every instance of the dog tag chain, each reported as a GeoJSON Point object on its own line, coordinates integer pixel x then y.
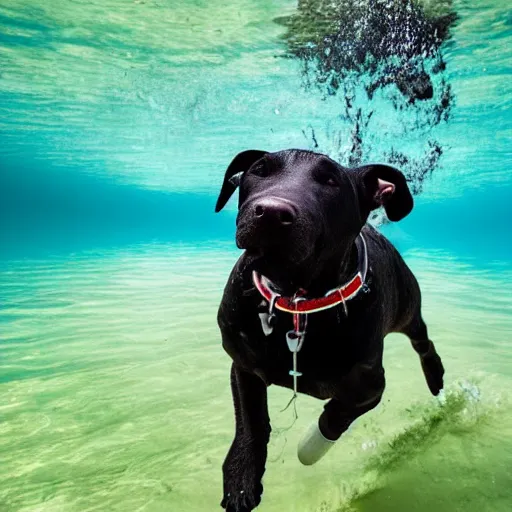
{"type": "Point", "coordinates": [295, 339]}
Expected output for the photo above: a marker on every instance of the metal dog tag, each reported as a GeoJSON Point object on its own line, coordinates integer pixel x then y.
{"type": "Point", "coordinates": [266, 323]}
{"type": "Point", "coordinates": [294, 341]}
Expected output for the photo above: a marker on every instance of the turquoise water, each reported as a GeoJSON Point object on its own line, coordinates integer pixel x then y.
{"type": "Point", "coordinates": [117, 122]}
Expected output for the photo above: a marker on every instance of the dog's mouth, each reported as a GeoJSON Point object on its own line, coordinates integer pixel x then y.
{"type": "Point", "coordinates": [285, 251]}
{"type": "Point", "coordinates": [281, 263]}
{"type": "Point", "coordinates": [270, 255]}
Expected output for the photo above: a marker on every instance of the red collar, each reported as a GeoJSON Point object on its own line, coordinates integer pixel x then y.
{"type": "Point", "coordinates": [301, 305]}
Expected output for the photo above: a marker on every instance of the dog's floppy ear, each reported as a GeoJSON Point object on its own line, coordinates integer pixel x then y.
{"type": "Point", "coordinates": [241, 163]}
{"type": "Point", "coordinates": [383, 185]}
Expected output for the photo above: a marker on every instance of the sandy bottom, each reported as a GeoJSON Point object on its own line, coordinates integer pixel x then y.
{"type": "Point", "coordinates": [114, 394]}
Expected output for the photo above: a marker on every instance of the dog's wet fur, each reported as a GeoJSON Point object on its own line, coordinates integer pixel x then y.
{"type": "Point", "coordinates": [299, 216]}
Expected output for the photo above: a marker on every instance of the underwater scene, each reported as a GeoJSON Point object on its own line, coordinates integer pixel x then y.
{"type": "Point", "coordinates": [118, 119]}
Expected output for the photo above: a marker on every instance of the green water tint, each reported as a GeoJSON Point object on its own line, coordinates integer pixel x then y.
{"type": "Point", "coordinates": [453, 458]}
{"type": "Point", "coordinates": [114, 389]}
{"type": "Point", "coordinates": [117, 396]}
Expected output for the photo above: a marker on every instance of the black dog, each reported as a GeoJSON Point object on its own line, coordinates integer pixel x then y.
{"type": "Point", "coordinates": [314, 277]}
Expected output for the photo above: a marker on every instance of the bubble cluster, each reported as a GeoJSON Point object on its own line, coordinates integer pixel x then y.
{"type": "Point", "coordinates": [369, 51]}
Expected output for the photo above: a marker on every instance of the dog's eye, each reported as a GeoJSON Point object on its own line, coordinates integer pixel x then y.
{"type": "Point", "coordinates": [261, 171]}
{"type": "Point", "coordinates": [327, 179]}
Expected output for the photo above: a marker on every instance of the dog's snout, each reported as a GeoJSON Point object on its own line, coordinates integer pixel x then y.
{"type": "Point", "coordinates": [275, 211]}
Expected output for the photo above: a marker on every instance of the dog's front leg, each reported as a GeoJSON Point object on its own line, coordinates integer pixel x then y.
{"type": "Point", "coordinates": [357, 393]}
{"type": "Point", "coordinates": [245, 463]}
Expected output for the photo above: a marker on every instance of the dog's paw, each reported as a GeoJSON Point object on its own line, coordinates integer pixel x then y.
{"type": "Point", "coordinates": [434, 371]}
{"type": "Point", "coordinates": [243, 472]}
{"type": "Point", "coordinates": [242, 500]}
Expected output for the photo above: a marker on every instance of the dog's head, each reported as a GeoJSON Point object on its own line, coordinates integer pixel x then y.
{"type": "Point", "coordinates": [297, 206]}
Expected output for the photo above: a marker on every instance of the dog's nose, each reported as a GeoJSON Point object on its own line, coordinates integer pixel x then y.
{"type": "Point", "coordinates": [275, 211]}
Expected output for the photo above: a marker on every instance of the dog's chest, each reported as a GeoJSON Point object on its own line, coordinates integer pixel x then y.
{"type": "Point", "coordinates": [329, 349]}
